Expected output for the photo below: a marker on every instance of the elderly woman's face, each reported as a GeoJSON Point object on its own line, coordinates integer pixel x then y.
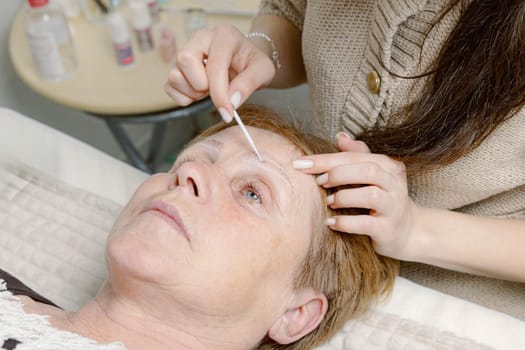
{"type": "Point", "coordinates": [222, 231]}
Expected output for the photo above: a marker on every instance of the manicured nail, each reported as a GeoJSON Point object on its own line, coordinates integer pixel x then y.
{"type": "Point", "coordinates": [330, 199]}
{"type": "Point", "coordinates": [330, 221]}
{"type": "Point", "coordinates": [322, 179]}
{"type": "Point", "coordinates": [302, 164]}
{"type": "Point", "coordinates": [342, 134]}
{"type": "Point", "coordinates": [225, 115]}
{"type": "Point", "coordinates": [236, 99]}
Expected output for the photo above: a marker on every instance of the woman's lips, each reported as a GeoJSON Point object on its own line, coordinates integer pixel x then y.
{"type": "Point", "coordinates": [169, 214]}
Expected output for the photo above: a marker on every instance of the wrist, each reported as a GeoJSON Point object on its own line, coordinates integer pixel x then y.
{"type": "Point", "coordinates": [265, 43]}
{"type": "Point", "coordinates": [420, 241]}
{"type": "Point", "coordinates": [432, 241]}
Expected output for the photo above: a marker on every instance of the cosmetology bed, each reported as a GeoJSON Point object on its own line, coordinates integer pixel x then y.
{"type": "Point", "coordinates": [58, 199]}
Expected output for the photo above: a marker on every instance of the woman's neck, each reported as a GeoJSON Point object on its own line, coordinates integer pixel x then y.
{"type": "Point", "coordinates": [113, 322]}
{"type": "Point", "coordinates": [105, 320]}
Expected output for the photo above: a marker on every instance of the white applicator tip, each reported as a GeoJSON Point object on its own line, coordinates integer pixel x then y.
{"type": "Point", "coordinates": [246, 134]}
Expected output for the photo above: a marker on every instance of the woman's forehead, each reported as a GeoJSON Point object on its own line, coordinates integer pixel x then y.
{"type": "Point", "coordinates": [274, 145]}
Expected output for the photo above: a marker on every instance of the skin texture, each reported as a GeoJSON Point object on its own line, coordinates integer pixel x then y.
{"type": "Point", "coordinates": [239, 229]}
{"type": "Point", "coordinates": [205, 256]}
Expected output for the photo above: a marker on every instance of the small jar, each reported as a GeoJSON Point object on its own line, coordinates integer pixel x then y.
{"type": "Point", "coordinates": [194, 19]}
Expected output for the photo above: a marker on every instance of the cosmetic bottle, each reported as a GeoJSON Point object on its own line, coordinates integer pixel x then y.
{"type": "Point", "coordinates": [195, 18]}
{"type": "Point", "coordinates": [121, 38]}
{"type": "Point", "coordinates": [50, 40]}
{"type": "Point", "coordinates": [167, 44]}
{"type": "Point", "coordinates": [142, 24]}
{"type": "Point", "coordinates": [154, 10]}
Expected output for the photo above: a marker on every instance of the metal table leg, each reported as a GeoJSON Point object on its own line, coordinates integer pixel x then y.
{"type": "Point", "coordinates": [155, 144]}
{"type": "Point", "coordinates": [159, 119]}
{"type": "Point", "coordinates": [127, 146]}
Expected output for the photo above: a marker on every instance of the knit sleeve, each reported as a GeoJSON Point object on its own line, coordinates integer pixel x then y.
{"type": "Point", "coordinates": [292, 10]}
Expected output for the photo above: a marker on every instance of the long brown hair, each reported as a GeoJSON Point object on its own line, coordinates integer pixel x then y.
{"type": "Point", "coordinates": [476, 83]}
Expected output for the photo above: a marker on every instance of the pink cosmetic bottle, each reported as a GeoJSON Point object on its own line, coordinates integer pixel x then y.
{"type": "Point", "coordinates": [167, 45]}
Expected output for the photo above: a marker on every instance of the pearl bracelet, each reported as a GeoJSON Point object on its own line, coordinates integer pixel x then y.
{"type": "Point", "coordinates": [275, 54]}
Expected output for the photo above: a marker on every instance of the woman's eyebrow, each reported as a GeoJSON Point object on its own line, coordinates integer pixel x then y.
{"type": "Point", "coordinates": [213, 147]}
{"type": "Point", "coordinates": [213, 143]}
{"type": "Point", "coordinates": [252, 157]}
{"type": "Point", "coordinates": [271, 164]}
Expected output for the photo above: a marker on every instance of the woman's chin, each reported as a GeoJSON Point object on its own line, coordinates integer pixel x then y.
{"type": "Point", "coordinates": [138, 257]}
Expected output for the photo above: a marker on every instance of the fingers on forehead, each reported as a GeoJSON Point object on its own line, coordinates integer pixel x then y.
{"type": "Point", "coordinates": [325, 162]}
{"type": "Point", "coordinates": [360, 173]}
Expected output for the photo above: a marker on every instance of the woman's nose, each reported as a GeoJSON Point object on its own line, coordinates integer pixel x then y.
{"type": "Point", "coordinates": [194, 178]}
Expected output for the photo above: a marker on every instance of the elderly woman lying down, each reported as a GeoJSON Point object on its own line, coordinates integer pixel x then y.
{"type": "Point", "coordinates": [227, 252]}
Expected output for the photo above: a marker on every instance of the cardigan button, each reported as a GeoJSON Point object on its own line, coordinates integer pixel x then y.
{"type": "Point", "coordinates": [374, 82]}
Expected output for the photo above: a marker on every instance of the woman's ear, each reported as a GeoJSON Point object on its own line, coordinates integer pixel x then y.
{"type": "Point", "coordinates": [304, 313]}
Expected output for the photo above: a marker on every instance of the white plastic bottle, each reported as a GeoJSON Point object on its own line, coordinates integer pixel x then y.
{"type": "Point", "coordinates": [142, 24]}
{"type": "Point", "coordinates": [121, 38]}
{"type": "Point", "coordinates": [50, 40]}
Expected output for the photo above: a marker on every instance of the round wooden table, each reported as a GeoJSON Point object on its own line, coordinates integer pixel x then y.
{"type": "Point", "coordinates": [133, 94]}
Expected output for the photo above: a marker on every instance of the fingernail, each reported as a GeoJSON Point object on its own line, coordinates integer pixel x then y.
{"type": "Point", "coordinates": [236, 99]}
{"type": "Point", "coordinates": [302, 164]}
{"type": "Point", "coordinates": [330, 199]}
{"type": "Point", "coordinates": [342, 134]}
{"type": "Point", "coordinates": [330, 221]}
{"type": "Point", "coordinates": [322, 179]}
{"type": "Point", "coordinates": [225, 115]}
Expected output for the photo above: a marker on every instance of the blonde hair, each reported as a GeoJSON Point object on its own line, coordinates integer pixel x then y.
{"type": "Point", "coordinates": [343, 266]}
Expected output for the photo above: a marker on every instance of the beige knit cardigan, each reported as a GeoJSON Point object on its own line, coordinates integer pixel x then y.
{"type": "Point", "coordinates": [342, 42]}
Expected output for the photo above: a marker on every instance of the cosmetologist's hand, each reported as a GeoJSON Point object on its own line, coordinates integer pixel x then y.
{"type": "Point", "coordinates": [235, 68]}
{"type": "Point", "coordinates": [383, 190]}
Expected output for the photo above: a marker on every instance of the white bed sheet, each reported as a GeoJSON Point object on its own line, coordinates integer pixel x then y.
{"type": "Point", "coordinates": [83, 166]}
{"type": "Point", "coordinates": [66, 158]}
{"type": "Point", "coordinates": [448, 313]}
